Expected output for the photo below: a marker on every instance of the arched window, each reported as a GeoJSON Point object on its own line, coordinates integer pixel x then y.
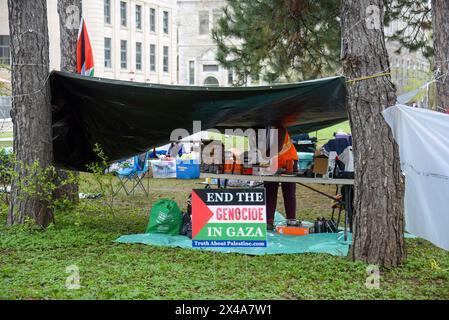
{"type": "Point", "coordinates": [211, 81]}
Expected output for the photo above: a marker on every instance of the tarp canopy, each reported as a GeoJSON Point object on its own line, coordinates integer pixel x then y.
{"type": "Point", "coordinates": [126, 118]}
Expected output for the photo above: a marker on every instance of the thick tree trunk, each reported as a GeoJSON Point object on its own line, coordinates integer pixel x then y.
{"type": "Point", "coordinates": [69, 18]}
{"type": "Point", "coordinates": [440, 21]}
{"type": "Point", "coordinates": [379, 192]}
{"type": "Point", "coordinates": [31, 110]}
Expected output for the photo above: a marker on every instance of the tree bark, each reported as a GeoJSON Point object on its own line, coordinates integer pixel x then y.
{"type": "Point", "coordinates": [69, 18]}
{"type": "Point", "coordinates": [378, 227]}
{"type": "Point", "coordinates": [31, 110]}
{"type": "Point", "coordinates": [70, 12]}
{"type": "Point", "coordinates": [440, 22]}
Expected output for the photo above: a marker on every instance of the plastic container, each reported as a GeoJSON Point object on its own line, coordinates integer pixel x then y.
{"type": "Point", "coordinates": [238, 169]}
{"type": "Point", "coordinates": [163, 169]}
{"type": "Point", "coordinates": [292, 231]}
{"type": "Point", "coordinates": [187, 169]}
{"type": "Point", "coordinates": [228, 168]}
{"type": "Point", "coordinates": [305, 161]}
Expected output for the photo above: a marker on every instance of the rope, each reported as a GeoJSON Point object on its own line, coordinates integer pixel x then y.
{"type": "Point", "coordinates": [369, 77]}
{"type": "Point", "coordinates": [33, 31]}
{"type": "Point", "coordinates": [34, 92]}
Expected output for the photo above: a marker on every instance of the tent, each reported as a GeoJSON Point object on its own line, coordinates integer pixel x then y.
{"type": "Point", "coordinates": [126, 118]}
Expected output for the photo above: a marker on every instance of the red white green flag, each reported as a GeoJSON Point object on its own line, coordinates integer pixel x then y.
{"type": "Point", "coordinates": [84, 57]}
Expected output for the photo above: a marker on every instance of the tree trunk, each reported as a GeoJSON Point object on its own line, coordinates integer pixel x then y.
{"type": "Point", "coordinates": [379, 190]}
{"type": "Point", "coordinates": [70, 12]}
{"type": "Point", "coordinates": [440, 22]}
{"type": "Point", "coordinates": [31, 110]}
{"type": "Point", "coordinates": [69, 19]}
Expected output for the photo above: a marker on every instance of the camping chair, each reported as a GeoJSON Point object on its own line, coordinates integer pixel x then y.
{"type": "Point", "coordinates": [132, 177]}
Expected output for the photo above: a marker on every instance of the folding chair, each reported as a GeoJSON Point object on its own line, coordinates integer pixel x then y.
{"type": "Point", "coordinates": [132, 177]}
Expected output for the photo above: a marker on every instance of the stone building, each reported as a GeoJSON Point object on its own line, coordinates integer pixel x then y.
{"type": "Point", "coordinates": [197, 51]}
{"type": "Point", "coordinates": [131, 39]}
{"type": "Point", "coordinates": [4, 41]}
{"type": "Point", "coordinates": [157, 41]}
{"type": "Point", "coordinates": [169, 41]}
{"type": "Point", "coordinates": [407, 68]}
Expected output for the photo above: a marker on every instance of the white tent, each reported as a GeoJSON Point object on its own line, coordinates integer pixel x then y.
{"type": "Point", "coordinates": [423, 139]}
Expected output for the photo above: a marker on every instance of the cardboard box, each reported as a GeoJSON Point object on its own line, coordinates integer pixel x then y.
{"type": "Point", "coordinates": [292, 231]}
{"type": "Point", "coordinates": [320, 165]}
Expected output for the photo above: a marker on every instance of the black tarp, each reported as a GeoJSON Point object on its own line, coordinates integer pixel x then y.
{"type": "Point", "coordinates": [126, 118]}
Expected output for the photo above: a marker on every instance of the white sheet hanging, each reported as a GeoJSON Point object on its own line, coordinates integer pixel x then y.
{"type": "Point", "coordinates": [423, 139]}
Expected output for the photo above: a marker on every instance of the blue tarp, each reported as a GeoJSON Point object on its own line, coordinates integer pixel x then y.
{"type": "Point", "coordinates": [331, 243]}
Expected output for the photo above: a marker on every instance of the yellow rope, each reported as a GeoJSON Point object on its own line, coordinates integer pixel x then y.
{"type": "Point", "coordinates": [369, 77]}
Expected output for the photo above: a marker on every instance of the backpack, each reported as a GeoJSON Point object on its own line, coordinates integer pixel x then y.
{"type": "Point", "coordinates": [165, 217]}
{"type": "Point", "coordinates": [186, 229]}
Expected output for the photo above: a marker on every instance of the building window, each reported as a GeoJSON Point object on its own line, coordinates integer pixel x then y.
{"type": "Point", "coordinates": [138, 17]}
{"type": "Point", "coordinates": [165, 22]}
{"type": "Point", "coordinates": [138, 55]}
{"type": "Point", "coordinates": [152, 57]}
{"type": "Point", "coordinates": [204, 22]}
{"type": "Point", "coordinates": [210, 67]}
{"type": "Point", "coordinates": [107, 53]}
{"type": "Point", "coordinates": [165, 59]}
{"type": "Point", "coordinates": [123, 20]}
{"type": "Point", "coordinates": [123, 54]}
{"type": "Point", "coordinates": [211, 81]}
{"type": "Point", "coordinates": [107, 11]}
{"type": "Point", "coordinates": [216, 15]}
{"type": "Point", "coordinates": [152, 20]}
{"type": "Point", "coordinates": [191, 72]}
{"type": "Point", "coordinates": [5, 55]}
{"type": "Point", "coordinates": [230, 77]}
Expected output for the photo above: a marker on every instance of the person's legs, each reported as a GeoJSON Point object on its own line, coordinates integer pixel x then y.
{"type": "Point", "coordinates": [289, 194]}
{"type": "Point", "coordinates": [271, 190]}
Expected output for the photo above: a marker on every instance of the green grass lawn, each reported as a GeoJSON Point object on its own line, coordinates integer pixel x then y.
{"type": "Point", "coordinates": [33, 262]}
{"type": "Point", "coordinates": [7, 134]}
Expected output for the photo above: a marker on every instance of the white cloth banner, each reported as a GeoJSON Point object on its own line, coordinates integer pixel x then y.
{"type": "Point", "coordinates": [423, 139]}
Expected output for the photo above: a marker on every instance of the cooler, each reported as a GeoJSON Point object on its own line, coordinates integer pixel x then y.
{"type": "Point", "coordinates": [187, 169]}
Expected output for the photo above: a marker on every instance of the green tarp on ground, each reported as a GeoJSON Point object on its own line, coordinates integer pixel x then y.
{"type": "Point", "coordinates": [331, 243]}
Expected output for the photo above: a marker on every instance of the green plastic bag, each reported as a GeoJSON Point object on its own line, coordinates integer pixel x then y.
{"type": "Point", "coordinates": [165, 217]}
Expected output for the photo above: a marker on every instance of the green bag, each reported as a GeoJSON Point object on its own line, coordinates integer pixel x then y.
{"type": "Point", "coordinates": [165, 217]}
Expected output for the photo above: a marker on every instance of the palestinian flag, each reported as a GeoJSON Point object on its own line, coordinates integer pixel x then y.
{"type": "Point", "coordinates": [84, 57]}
